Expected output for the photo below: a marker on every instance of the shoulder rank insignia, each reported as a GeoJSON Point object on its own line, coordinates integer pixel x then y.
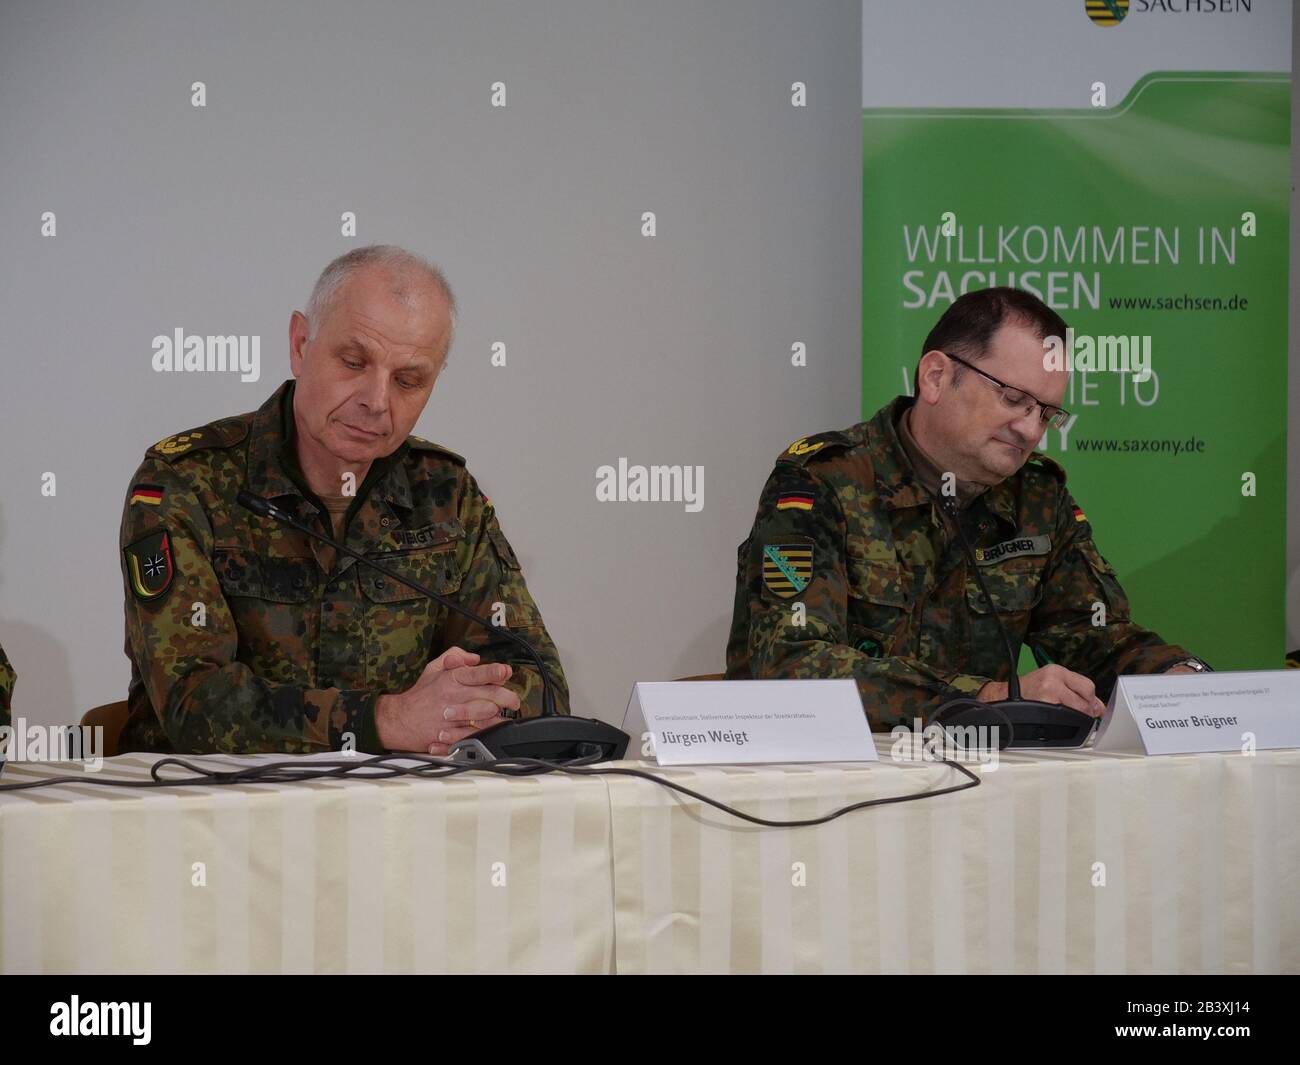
{"type": "Point", "coordinates": [787, 568]}
{"type": "Point", "coordinates": [802, 447]}
{"type": "Point", "coordinates": [224, 433]}
{"type": "Point", "coordinates": [179, 444]}
{"type": "Point", "coordinates": [149, 566]}
{"type": "Point", "coordinates": [808, 447]}
{"type": "Point", "coordinates": [149, 494]}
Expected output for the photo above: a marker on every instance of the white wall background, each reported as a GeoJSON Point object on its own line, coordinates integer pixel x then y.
{"type": "Point", "coordinates": [666, 350]}
{"type": "Point", "coordinates": [674, 349]}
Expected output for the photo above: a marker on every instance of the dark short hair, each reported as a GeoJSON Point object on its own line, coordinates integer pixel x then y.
{"type": "Point", "coordinates": [966, 328]}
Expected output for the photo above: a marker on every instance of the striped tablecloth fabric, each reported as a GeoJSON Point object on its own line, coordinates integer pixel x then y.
{"type": "Point", "coordinates": [474, 874]}
{"type": "Point", "coordinates": [1060, 862]}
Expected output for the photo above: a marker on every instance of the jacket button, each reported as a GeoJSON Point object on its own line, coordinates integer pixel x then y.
{"type": "Point", "coordinates": [379, 582]}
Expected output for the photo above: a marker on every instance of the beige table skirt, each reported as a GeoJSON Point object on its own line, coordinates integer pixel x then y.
{"type": "Point", "coordinates": [474, 874]}
{"type": "Point", "coordinates": [1060, 862]}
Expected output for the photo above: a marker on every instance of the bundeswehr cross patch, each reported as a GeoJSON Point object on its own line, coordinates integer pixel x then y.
{"type": "Point", "coordinates": [149, 566]}
{"type": "Point", "coordinates": [787, 568]}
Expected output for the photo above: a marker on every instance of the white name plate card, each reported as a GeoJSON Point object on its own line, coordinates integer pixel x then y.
{"type": "Point", "coordinates": [748, 722]}
{"type": "Point", "coordinates": [1187, 713]}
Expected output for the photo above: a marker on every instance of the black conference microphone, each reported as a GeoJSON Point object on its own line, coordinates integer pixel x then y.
{"type": "Point", "coordinates": [551, 737]}
{"type": "Point", "coordinates": [1028, 722]}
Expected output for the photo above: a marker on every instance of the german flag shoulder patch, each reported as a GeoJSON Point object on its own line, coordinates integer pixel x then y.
{"type": "Point", "coordinates": [149, 495]}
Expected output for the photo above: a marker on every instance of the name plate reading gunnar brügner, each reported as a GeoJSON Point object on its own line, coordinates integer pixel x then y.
{"type": "Point", "coordinates": [1188, 713]}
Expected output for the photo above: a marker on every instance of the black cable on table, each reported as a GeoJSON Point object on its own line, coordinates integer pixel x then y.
{"type": "Point", "coordinates": [386, 767]}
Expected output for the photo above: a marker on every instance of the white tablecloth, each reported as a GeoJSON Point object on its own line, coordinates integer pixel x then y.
{"type": "Point", "coordinates": [1060, 862]}
{"type": "Point", "coordinates": [474, 874]}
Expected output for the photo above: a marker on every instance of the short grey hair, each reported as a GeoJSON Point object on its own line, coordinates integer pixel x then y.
{"type": "Point", "coordinates": [403, 265]}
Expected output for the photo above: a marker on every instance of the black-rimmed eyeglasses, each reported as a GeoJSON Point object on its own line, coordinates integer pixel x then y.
{"type": "Point", "coordinates": [1019, 398]}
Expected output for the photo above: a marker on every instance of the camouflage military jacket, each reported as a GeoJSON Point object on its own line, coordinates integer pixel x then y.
{"type": "Point", "coordinates": [849, 571]}
{"type": "Point", "coordinates": [239, 638]}
{"type": "Point", "coordinates": [6, 687]}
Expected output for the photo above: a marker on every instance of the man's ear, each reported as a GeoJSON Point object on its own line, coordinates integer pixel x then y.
{"type": "Point", "coordinates": [931, 372]}
{"type": "Point", "coordinates": [299, 332]}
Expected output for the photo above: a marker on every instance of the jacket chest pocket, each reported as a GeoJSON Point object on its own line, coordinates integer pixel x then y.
{"type": "Point", "coordinates": [271, 600]}
{"type": "Point", "coordinates": [399, 621]}
{"type": "Point", "coordinates": [878, 602]}
{"type": "Point", "coordinates": [433, 565]}
{"type": "Point", "coordinates": [1016, 587]}
{"type": "Point", "coordinates": [244, 575]}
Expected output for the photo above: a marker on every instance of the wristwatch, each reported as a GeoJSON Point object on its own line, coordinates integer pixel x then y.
{"type": "Point", "coordinates": [1193, 664]}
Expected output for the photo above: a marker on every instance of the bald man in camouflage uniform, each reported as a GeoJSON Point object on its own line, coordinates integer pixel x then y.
{"type": "Point", "coordinates": [246, 635]}
{"type": "Point", "coordinates": [853, 569]}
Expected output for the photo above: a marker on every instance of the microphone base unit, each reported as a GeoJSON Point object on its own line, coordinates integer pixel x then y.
{"type": "Point", "coordinates": [554, 738]}
{"type": "Point", "coordinates": [1020, 722]}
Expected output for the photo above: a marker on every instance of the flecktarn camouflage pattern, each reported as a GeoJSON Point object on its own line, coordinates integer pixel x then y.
{"type": "Point", "coordinates": [241, 639]}
{"type": "Point", "coordinates": [849, 571]}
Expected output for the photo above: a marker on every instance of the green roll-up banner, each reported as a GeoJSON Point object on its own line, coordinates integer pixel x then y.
{"type": "Point", "coordinates": [1159, 221]}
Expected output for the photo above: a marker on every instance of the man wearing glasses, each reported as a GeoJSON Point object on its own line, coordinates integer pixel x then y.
{"type": "Point", "coordinates": [853, 569]}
